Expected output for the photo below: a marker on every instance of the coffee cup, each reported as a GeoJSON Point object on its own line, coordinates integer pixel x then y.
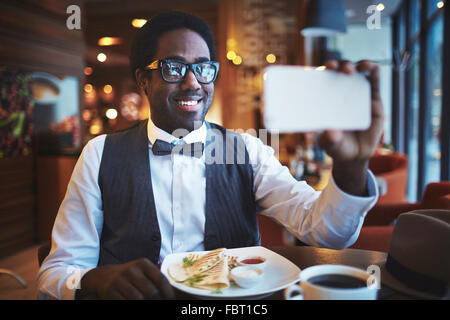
{"type": "Point", "coordinates": [333, 282]}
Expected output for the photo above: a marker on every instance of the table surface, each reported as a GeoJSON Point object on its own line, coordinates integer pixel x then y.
{"type": "Point", "coordinates": [305, 256]}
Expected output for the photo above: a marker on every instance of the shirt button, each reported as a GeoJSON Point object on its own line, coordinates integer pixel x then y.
{"type": "Point", "coordinates": [155, 238]}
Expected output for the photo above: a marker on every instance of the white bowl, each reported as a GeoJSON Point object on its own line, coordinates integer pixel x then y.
{"type": "Point", "coordinates": [247, 276]}
{"type": "Point", "coordinates": [261, 265]}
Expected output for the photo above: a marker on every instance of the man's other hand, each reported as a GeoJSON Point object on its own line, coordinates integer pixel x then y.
{"type": "Point", "coordinates": [136, 280]}
{"type": "Point", "coordinates": [351, 150]}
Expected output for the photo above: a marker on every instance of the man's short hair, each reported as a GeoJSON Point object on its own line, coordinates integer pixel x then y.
{"type": "Point", "coordinates": [146, 39]}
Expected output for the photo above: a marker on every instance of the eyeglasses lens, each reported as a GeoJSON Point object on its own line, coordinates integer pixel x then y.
{"type": "Point", "coordinates": [175, 71]}
{"type": "Point", "coordinates": [205, 72]}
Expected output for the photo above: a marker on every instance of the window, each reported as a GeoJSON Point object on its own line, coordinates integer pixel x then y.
{"type": "Point", "coordinates": [412, 116]}
{"type": "Point", "coordinates": [419, 34]}
{"type": "Point", "coordinates": [414, 19]}
{"type": "Point", "coordinates": [433, 94]}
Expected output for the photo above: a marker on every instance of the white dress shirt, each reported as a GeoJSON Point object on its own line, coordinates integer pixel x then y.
{"type": "Point", "coordinates": [330, 218]}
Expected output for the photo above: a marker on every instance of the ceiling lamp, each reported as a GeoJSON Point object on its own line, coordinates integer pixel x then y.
{"type": "Point", "coordinates": [325, 18]}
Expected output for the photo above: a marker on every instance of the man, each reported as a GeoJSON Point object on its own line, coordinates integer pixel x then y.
{"type": "Point", "coordinates": [132, 200]}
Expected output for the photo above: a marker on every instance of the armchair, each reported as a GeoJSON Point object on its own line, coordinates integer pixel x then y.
{"type": "Point", "coordinates": [436, 196]}
{"type": "Point", "coordinates": [379, 222]}
{"type": "Point", "coordinates": [391, 171]}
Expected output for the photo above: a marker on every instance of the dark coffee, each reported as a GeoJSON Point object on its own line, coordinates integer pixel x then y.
{"type": "Point", "coordinates": [339, 281]}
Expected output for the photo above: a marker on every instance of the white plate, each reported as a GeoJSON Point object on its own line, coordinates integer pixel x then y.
{"type": "Point", "coordinates": [279, 273]}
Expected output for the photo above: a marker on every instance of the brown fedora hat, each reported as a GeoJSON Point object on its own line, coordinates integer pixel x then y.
{"type": "Point", "coordinates": [418, 263]}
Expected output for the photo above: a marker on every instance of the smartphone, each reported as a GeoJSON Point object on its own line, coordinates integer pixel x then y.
{"type": "Point", "coordinates": [300, 99]}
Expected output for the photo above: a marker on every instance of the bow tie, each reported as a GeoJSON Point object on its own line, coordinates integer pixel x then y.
{"type": "Point", "coordinates": [162, 148]}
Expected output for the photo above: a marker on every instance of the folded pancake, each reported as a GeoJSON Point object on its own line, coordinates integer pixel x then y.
{"type": "Point", "coordinates": [178, 273]}
{"type": "Point", "coordinates": [208, 260]}
{"type": "Point", "coordinates": [213, 278]}
{"type": "Point", "coordinates": [193, 265]}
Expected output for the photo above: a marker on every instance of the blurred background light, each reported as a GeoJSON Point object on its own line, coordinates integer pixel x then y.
{"type": "Point", "coordinates": [107, 89]}
{"type": "Point", "coordinates": [101, 57]}
{"type": "Point", "coordinates": [88, 71]}
{"type": "Point", "coordinates": [111, 113]}
{"type": "Point", "coordinates": [138, 23]}
{"type": "Point", "coordinates": [237, 60]}
{"type": "Point", "coordinates": [109, 41]}
{"type": "Point", "coordinates": [88, 87]}
{"type": "Point", "coordinates": [271, 58]}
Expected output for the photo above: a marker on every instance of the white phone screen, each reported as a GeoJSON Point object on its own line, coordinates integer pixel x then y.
{"type": "Point", "coordinates": [299, 99]}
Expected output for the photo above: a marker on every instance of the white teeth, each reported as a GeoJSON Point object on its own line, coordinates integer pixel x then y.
{"type": "Point", "coordinates": [188, 103]}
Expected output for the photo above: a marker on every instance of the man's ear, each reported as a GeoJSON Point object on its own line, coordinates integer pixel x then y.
{"type": "Point", "coordinates": [141, 80]}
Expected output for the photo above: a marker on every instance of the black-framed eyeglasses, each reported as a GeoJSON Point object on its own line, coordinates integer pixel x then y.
{"type": "Point", "coordinates": [173, 71]}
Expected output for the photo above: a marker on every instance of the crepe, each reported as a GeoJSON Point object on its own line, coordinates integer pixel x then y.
{"type": "Point", "coordinates": [195, 264]}
{"type": "Point", "coordinates": [206, 271]}
{"type": "Point", "coordinates": [214, 278]}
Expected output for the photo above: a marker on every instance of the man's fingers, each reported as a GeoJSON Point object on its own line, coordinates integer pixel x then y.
{"type": "Point", "coordinates": [329, 140]}
{"type": "Point", "coordinates": [128, 290]}
{"type": "Point", "coordinates": [114, 294]}
{"type": "Point", "coordinates": [152, 272]}
{"type": "Point", "coordinates": [346, 67]}
{"type": "Point", "coordinates": [145, 286]}
{"type": "Point", "coordinates": [365, 66]}
{"type": "Point", "coordinates": [373, 71]}
{"type": "Point", "coordinates": [334, 136]}
{"type": "Point", "coordinates": [332, 64]}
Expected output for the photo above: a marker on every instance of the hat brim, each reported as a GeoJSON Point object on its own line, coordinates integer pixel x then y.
{"type": "Point", "coordinates": [390, 281]}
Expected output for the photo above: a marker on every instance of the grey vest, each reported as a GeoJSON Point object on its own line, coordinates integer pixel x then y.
{"type": "Point", "coordinates": [130, 225]}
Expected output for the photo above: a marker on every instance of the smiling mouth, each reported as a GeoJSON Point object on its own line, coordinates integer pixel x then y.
{"type": "Point", "coordinates": [189, 104]}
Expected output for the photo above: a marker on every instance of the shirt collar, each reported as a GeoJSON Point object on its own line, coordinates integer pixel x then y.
{"type": "Point", "coordinates": [153, 133]}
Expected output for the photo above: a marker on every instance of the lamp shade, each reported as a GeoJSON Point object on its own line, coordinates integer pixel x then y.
{"type": "Point", "coordinates": [325, 18]}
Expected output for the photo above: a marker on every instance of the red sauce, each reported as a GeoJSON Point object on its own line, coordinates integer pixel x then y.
{"type": "Point", "coordinates": [253, 261]}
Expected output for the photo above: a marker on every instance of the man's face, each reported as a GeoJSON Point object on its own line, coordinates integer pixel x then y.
{"type": "Point", "coordinates": [178, 105]}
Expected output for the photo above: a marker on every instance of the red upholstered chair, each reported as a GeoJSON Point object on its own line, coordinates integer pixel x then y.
{"type": "Point", "coordinates": [391, 169]}
{"type": "Point", "coordinates": [436, 196]}
{"type": "Point", "coordinates": [377, 229]}
{"type": "Point", "coordinates": [375, 238]}
{"type": "Point", "coordinates": [272, 233]}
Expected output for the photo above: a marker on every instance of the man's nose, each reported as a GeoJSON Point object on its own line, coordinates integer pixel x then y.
{"type": "Point", "coordinates": [190, 82]}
